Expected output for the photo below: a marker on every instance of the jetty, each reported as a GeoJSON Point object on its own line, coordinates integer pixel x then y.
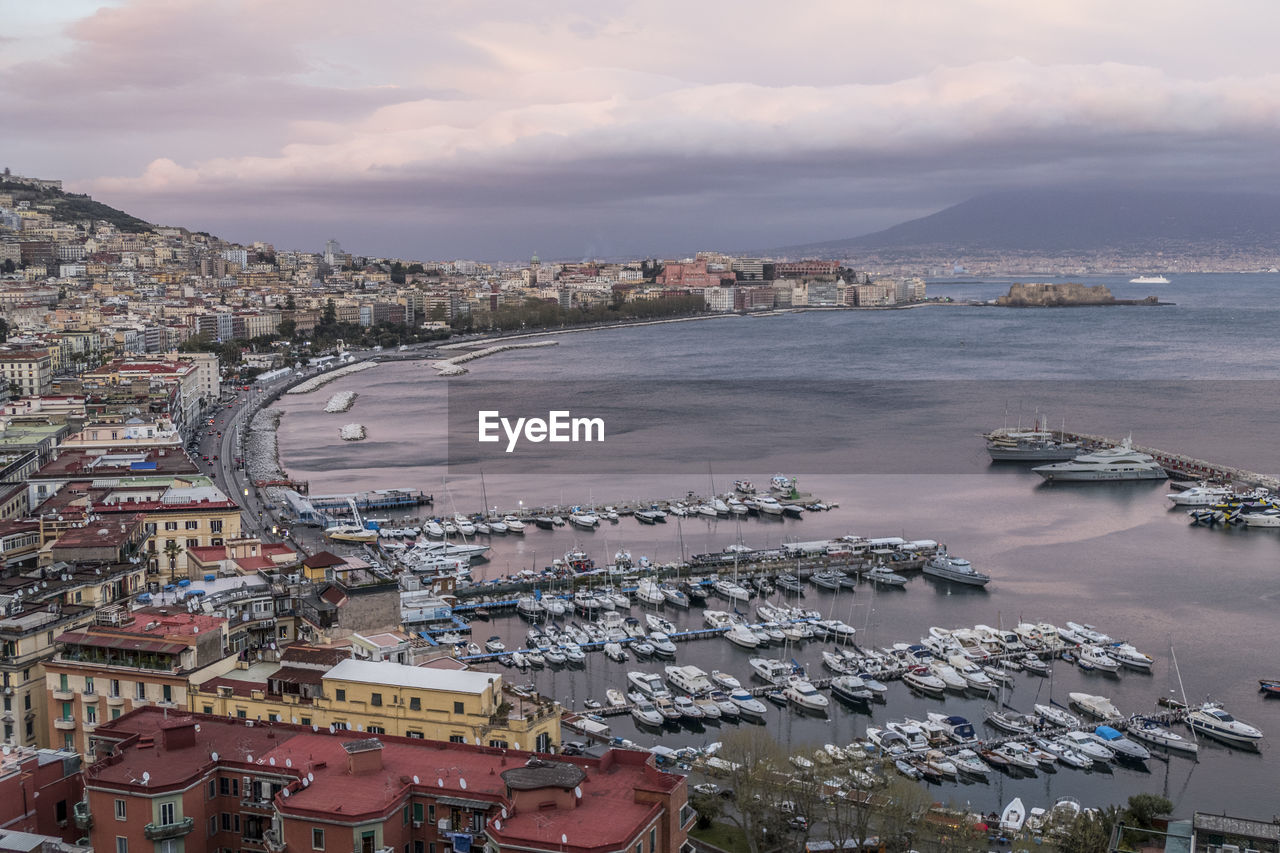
{"type": "Point", "coordinates": [453, 366]}
{"type": "Point", "coordinates": [1181, 466]}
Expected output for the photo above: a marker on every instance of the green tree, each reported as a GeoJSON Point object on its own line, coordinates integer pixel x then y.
{"type": "Point", "coordinates": [9, 266]}
{"type": "Point", "coordinates": [290, 304]}
{"type": "Point", "coordinates": [172, 550]}
{"type": "Point", "coordinates": [330, 315]}
{"type": "Point", "coordinates": [4, 330]}
{"type": "Point", "coordinates": [1091, 831]}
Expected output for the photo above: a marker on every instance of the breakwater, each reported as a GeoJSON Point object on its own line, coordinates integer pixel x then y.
{"type": "Point", "coordinates": [453, 366]}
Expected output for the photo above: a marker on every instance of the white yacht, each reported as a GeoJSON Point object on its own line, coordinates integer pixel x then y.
{"type": "Point", "coordinates": [646, 714]}
{"type": "Point", "coordinates": [768, 505]}
{"type": "Point", "coordinates": [1119, 744]}
{"type": "Point", "coordinates": [1211, 719]}
{"type": "Point", "coordinates": [741, 635]}
{"type": "Point", "coordinates": [1201, 495]}
{"type": "Point", "coordinates": [749, 705]}
{"type": "Point", "coordinates": [805, 695]}
{"type": "Point", "coordinates": [1149, 731]}
{"type": "Point", "coordinates": [585, 520]}
{"type": "Point", "coordinates": [514, 524]}
{"type": "Point", "coordinates": [649, 592]}
{"type": "Point", "coordinates": [1096, 706]}
{"type": "Point", "coordinates": [772, 671]}
{"type": "Point", "coordinates": [1265, 518]}
{"type": "Point", "coordinates": [647, 683]}
{"type": "Point", "coordinates": [1149, 279]}
{"type": "Point", "coordinates": [1112, 463]}
{"type": "Point", "coordinates": [690, 679]}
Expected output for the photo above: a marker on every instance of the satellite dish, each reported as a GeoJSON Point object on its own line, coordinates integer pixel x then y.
{"type": "Point", "coordinates": [415, 780]}
{"type": "Point", "coordinates": [331, 729]}
{"type": "Point", "coordinates": [315, 728]}
{"type": "Point", "coordinates": [517, 744]}
{"type": "Point", "coordinates": [295, 721]}
{"type": "Point", "coordinates": [6, 749]}
{"type": "Point", "coordinates": [306, 783]}
{"type": "Point", "coordinates": [564, 839]}
{"type": "Point", "coordinates": [497, 824]}
{"type": "Point", "coordinates": [272, 761]}
{"type": "Point", "coordinates": [504, 811]}
{"type": "Point", "coordinates": [285, 792]}
{"type": "Point", "coordinates": [288, 762]}
{"type": "Point", "coordinates": [462, 783]}
{"type": "Point", "coordinates": [214, 756]}
{"type": "Point", "coordinates": [311, 777]}
{"type": "Point", "coordinates": [249, 758]}
{"type": "Point", "coordinates": [146, 777]}
{"type": "Point", "coordinates": [577, 792]}
{"type": "Point", "coordinates": [197, 727]}
{"type": "Point", "coordinates": [439, 783]}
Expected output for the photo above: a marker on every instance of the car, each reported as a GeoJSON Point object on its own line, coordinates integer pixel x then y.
{"type": "Point", "coordinates": [572, 748]}
{"type": "Point", "coordinates": [707, 788]}
{"type": "Point", "coordinates": [799, 822]}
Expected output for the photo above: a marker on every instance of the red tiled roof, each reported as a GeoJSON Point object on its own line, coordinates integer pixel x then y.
{"type": "Point", "coordinates": [126, 644]}
{"type": "Point", "coordinates": [208, 553]}
{"type": "Point", "coordinates": [322, 560]}
{"type": "Point", "coordinates": [255, 564]}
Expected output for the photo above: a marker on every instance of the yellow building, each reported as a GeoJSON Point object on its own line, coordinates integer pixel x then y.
{"type": "Point", "coordinates": [382, 697]}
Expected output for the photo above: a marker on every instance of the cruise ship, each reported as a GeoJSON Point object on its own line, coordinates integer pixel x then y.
{"type": "Point", "coordinates": [1112, 463]}
{"type": "Point", "coordinates": [1149, 279]}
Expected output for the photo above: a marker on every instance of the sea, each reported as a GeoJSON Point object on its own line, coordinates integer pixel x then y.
{"type": "Point", "coordinates": [880, 414]}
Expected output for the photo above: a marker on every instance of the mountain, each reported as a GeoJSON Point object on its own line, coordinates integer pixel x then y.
{"type": "Point", "coordinates": [72, 207]}
{"type": "Point", "coordinates": [1080, 220]}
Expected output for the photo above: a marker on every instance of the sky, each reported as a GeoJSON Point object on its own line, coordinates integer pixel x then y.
{"type": "Point", "coordinates": [590, 128]}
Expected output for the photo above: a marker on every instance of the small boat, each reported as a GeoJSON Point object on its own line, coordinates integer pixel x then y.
{"type": "Point", "coordinates": [473, 649]}
{"type": "Point", "coordinates": [805, 695]}
{"type": "Point", "coordinates": [1017, 755]}
{"type": "Point", "coordinates": [827, 579]}
{"type": "Point", "coordinates": [1013, 817]}
{"type": "Point", "coordinates": [646, 713]}
{"type": "Point", "coordinates": [749, 705]}
{"type": "Point", "coordinates": [1099, 707]}
{"type": "Point", "coordinates": [728, 709]}
{"type": "Point", "coordinates": [776, 697]}
{"type": "Point", "coordinates": [1126, 655]}
{"type": "Point", "coordinates": [968, 763]}
{"type": "Point", "coordinates": [687, 708]}
{"type": "Point", "coordinates": [667, 709]}
{"type": "Point", "coordinates": [674, 595]}
{"type": "Point", "coordinates": [514, 524]}
{"type": "Point", "coordinates": [884, 577]}
{"type": "Point", "coordinates": [536, 658]}
{"type": "Point", "coordinates": [801, 762]}
{"type": "Point", "coordinates": [662, 645]}
{"type": "Point", "coordinates": [657, 623]}
{"type": "Point", "coordinates": [1064, 753]}
{"type": "Point", "coordinates": [615, 697]}
{"type": "Point", "coordinates": [642, 649]}
{"type": "Point", "coordinates": [709, 707]}
{"type": "Point", "coordinates": [1055, 716]}
{"type": "Point", "coordinates": [940, 764]}
{"type": "Point", "coordinates": [1093, 658]}
{"type": "Point", "coordinates": [725, 680]}
{"type": "Point", "coordinates": [1115, 741]}
{"type": "Point", "coordinates": [615, 652]}
{"type": "Point", "coordinates": [919, 678]}
{"type": "Point", "coordinates": [1033, 664]}
{"type": "Point", "coordinates": [494, 644]}
{"type": "Point", "coordinates": [506, 660]}
{"type": "Point", "coordinates": [519, 660]}
{"type": "Point", "coordinates": [741, 635]}
{"type": "Point", "coordinates": [555, 656]}
{"type": "Point", "coordinates": [851, 688]}
{"type": "Point", "coordinates": [1151, 732]}
{"type": "Point", "coordinates": [1269, 686]}
{"type": "Point", "coordinates": [1087, 745]}
{"type": "Point", "coordinates": [592, 705]}
{"type": "Point", "coordinates": [908, 769]}
{"type": "Point", "coordinates": [543, 522]}
{"type": "Point", "coordinates": [1018, 724]}
{"type": "Point", "coordinates": [1213, 720]}
{"type": "Point", "coordinates": [789, 583]}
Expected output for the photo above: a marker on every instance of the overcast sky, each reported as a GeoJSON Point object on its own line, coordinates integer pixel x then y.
{"type": "Point", "coordinates": [450, 129]}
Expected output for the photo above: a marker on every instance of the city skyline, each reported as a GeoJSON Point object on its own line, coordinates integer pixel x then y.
{"type": "Point", "coordinates": [636, 130]}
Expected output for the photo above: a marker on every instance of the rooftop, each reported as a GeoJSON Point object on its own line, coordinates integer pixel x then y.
{"type": "Point", "coordinates": [390, 673]}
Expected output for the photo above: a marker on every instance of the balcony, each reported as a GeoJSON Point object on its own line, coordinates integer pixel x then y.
{"type": "Point", "coordinates": [272, 841]}
{"type": "Point", "coordinates": [115, 700]}
{"type": "Point", "coordinates": [65, 724]}
{"type": "Point", "coordinates": [83, 818]}
{"type": "Point", "coordinates": [166, 831]}
{"type": "Point", "coordinates": [89, 726]}
{"type": "Point", "coordinates": [64, 695]}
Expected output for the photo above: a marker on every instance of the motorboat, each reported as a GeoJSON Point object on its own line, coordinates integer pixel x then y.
{"type": "Point", "coordinates": [646, 713]}
{"type": "Point", "coordinates": [647, 683]}
{"type": "Point", "coordinates": [717, 619]}
{"type": "Point", "coordinates": [1032, 663]}
{"type": "Point", "coordinates": [741, 635]}
{"type": "Point", "coordinates": [667, 708]}
{"type": "Point", "coordinates": [649, 592]}
{"type": "Point", "coordinates": [1151, 732]}
{"type": "Point", "coordinates": [998, 675]}
{"type": "Point", "coordinates": [615, 652]}
{"type": "Point", "coordinates": [657, 623]}
{"type": "Point", "coordinates": [725, 680]}
{"type": "Point", "coordinates": [945, 567]}
{"type": "Point", "coordinates": [1018, 755]}
{"type": "Point", "coordinates": [827, 579]}
{"type": "Point", "coordinates": [805, 695]}
{"type": "Point", "coordinates": [1087, 745]}
{"type": "Point", "coordinates": [433, 529]}
{"type": "Point", "coordinates": [514, 524]}
{"type": "Point", "coordinates": [642, 648]}
{"type": "Point", "coordinates": [1013, 817]}
{"type": "Point", "coordinates": [835, 662]}
{"type": "Point", "coordinates": [730, 590]}
{"type": "Point", "coordinates": [940, 764]}
{"type": "Point", "coordinates": [768, 505]}
{"type": "Point", "coordinates": [851, 688]}
{"type": "Point", "coordinates": [1201, 495]}
{"type": "Point", "coordinates": [555, 606]}
{"type": "Point", "coordinates": [920, 678]}
{"type": "Point", "coordinates": [1262, 518]}
{"type": "Point", "coordinates": [1099, 707]}
{"type": "Point", "coordinates": [789, 583]}
{"type": "Point", "coordinates": [1055, 716]}
{"type": "Point", "coordinates": [689, 679]}
{"type": "Point", "coordinates": [495, 645]}
{"type": "Point", "coordinates": [647, 516]}
{"type": "Point", "coordinates": [749, 705]}
{"type": "Point", "coordinates": [1018, 724]}
{"type": "Point", "coordinates": [674, 595]}
{"type": "Point", "coordinates": [1093, 658]}
{"type": "Point", "coordinates": [662, 645]}
{"type": "Point", "coordinates": [519, 660]}
{"type": "Point", "coordinates": [1064, 752]}
{"type": "Point", "coordinates": [1213, 720]}
{"type": "Point", "coordinates": [883, 576]}
{"type": "Point", "coordinates": [772, 671]}
{"type": "Point", "coordinates": [968, 763]}
{"type": "Point", "coordinates": [1126, 655]}
{"type": "Point", "coordinates": [687, 708]}
{"type": "Point", "coordinates": [530, 608]}
{"type": "Point", "coordinates": [536, 658]}
{"type": "Point", "coordinates": [709, 707]}
{"type": "Point", "coordinates": [913, 733]}
{"type": "Point", "coordinates": [888, 741]}
{"type": "Point", "coordinates": [1108, 464]}
{"type": "Point", "coordinates": [954, 728]}
{"type": "Point", "coordinates": [1269, 686]}
{"type": "Point", "coordinates": [555, 656]}
{"type": "Point", "coordinates": [952, 679]}
{"type": "Point", "coordinates": [975, 678]}
{"type": "Point", "coordinates": [464, 525]}
{"type": "Point", "coordinates": [836, 630]}
{"type": "Point", "coordinates": [1115, 741]}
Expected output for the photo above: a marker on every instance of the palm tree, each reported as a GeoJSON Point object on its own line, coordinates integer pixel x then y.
{"type": "Point", "coordinates": [172, 550]}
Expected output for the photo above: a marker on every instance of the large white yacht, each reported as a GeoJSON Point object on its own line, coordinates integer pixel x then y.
{"type": "Point", "coordinates": [1112, 463]}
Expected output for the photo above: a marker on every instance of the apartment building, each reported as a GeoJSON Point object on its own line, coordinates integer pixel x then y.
{"type": "Point", "coordinates": [28, 370]}
{"type": "Point", "coordinates": [205, 783]}
{"type": "Point", "coordinates": [384, 697]}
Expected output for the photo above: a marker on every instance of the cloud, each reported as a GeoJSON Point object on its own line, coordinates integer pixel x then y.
{"type": "Point", "coordinates": [413, 115]}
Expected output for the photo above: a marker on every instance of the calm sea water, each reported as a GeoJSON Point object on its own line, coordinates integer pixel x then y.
{"type": "Point", "coordinates": [1196, 377]}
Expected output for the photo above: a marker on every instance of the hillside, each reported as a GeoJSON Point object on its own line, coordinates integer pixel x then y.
{"type": "Point", "coordinates": [1054, 221]}
{"type": "Point", "coordinates": [71, 207]}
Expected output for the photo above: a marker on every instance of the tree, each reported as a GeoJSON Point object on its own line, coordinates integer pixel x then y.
{"type": "Point", "coordinates": [901, 815]}
{"type": "Point", "coordinates": [290, 304]}
{"type": "Point", "coordinates": [1091, 832]}
{"type": "Point", "coordinates": [4, 330]}
{"type": "Point", "coordinates": [330, 315]}
{"type": "Point", "coordinates": [172, 550]}
{"type": "Point", "coordinates": [755, 762]}
{"type": "Point", "coordinates": [9, 266]}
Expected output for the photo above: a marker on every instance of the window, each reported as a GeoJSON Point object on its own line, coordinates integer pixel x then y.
{"type": "Point", "coordinates": [376, 700]}
{"type": "Point", "coordinates": [340, 695]}
{"type": "Point", "coordinates": [193, 543]}
{"type": "Point", "coordinates": [115, 713]}
{"type": "Point", "coordinates": [213, 788]}
{"type": "Point", "coordinates": [166, 814]}
{"type": "Point", "coordinates": [26, 702]}
{"type": "Point", "coordinates": [457, 738]}
{"type": "Point", "coordinates": [419, 813]}
{"type": "Point", "coordinates": [404, 815]}
{"type": "Point", "coordinates": [376, 730]}
{"type": "Point", "coordinates": [62, 683]}
{"type": "Point", "coordinates": [66, 711]}
{"type": "Point", "coordinates": [241, 713]}
{"type": "Point", "coordinates": [340, 726]}
{"type": "Point", "coordinates": [431, 813]}
{"type": "Point", "coordinates": [500, 744]}
{"type": "Point", "coordinates": [306, 721]}
{"type": "Point", "coordinates": [206, 709]}
{"type": "Point", "coordinates": [171, 525]}
{"type": "Point", "coordinates": [141, 690]}
{"type": "Point", "coordinates": [414, 734]}
{"type": "Point", "coordinates": [88, 684]}
{"type": "Point", "coordinates": [459, 708]}
{"type": "Point", "coordinates": [317, 839]}
{"type": "Point", "coordinates": [91, 714]}
{"type": "Point", "coordinates": [226, 822]}
{"type": "Point", "coordinates": [653, 840]}
{"type": "Point", "coordinates": [122, 812]}
{"type": "Point", "coordinates": [115, 687]}
{"type": "Point", "coordinates": [193, 525]}
{"type": "Point", "coordinates": [415, 704]}
{"type": "Point", "coordinates": [167, 692]}
{"type": "Point", "coordinates": [213, 825]}
{"type": "Point", "coordinates": [216, 525]}
{"type": "Point", "coordinates": [122, 844]}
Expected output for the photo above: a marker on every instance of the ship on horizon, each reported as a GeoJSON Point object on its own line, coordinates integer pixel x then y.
{"type": "Point", "coordinates": [1149, 279]}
